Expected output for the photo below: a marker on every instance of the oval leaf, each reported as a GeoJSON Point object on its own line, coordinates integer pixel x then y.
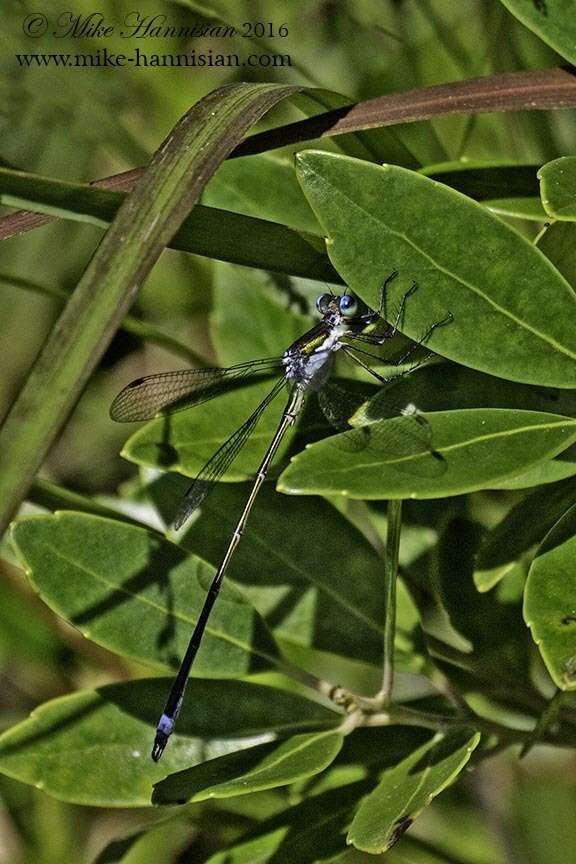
{"type": "Point", "coordinates": [500, 289]}
{"type": "Point", "coordinates": [407, 789]}
{"type": "Point", "coordinates": [93, 747]}
{"type": "Point", "coordinates": [137, 594]}
{"type": "Point", "coordinates": [552, 20]}
{"type": "Point", "coordinates": [263, 186]}
{"type": "Point", "coordinates": [550, 601]}
{"type": "Point", "coordinates": [472, 449]}
{"type": "Point", "coordinates": [264, 766]}
{"type": "Point", "coordinates": [558, 188]}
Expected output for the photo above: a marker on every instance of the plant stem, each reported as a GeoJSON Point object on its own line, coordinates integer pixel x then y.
{"type": "Point", "coordinates": [399, 714]}
{"type": "Point", "coordinates": [303, 677]}
{"type": "Point", "coordinates": [548, 718]}
{"type": "Point", "coordinates": [394, 523]}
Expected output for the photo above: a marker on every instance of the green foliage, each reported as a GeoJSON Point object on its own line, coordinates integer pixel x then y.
{"type": "Point", "coordinates": [549, 606]}
{"type": "Point", "coordinates": [264, 766]}
{"type": "Point", "coordinates": [321, 718]}
{"type": "Point", "coordinates": [406, 789]}
{"type": "Point", "coordinates": [102, 576]}
{"type": "Point", "coordinates": [478, 446]}
{"type": "Point", "coordinates": [558, 188]}
{"type": "Point", "coordinates": [549, 20]}
{"type": "Point", "coordinates": [486, 287]}
{"type": "Point", "coordinates": [55, 748]}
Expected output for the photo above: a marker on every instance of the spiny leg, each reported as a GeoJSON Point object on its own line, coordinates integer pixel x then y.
{"type": "Point", "coordinates": [392, 329]}
{"type": "Point", "coordinates": [422, 341]}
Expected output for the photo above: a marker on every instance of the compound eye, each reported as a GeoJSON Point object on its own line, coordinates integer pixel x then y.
{"type": "Point", "coordinates": [348, 305]}
{"type": "Point", "coordinates": [323, 302]}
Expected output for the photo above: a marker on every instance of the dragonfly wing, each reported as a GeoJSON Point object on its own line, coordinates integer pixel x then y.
{"type": "Point", "coordinates": [145, 397]}
{"type": "Point", "coordinates": [221, 460]}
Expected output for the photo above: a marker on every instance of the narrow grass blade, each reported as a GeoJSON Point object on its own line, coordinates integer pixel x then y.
{"type": "Point", "coordinates": [144, 225]}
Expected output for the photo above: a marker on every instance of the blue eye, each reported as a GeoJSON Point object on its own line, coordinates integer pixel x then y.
{"type": "Point", "coordinates": [348, 305]}
{"type": "Point", "coordinates": [322, 303]}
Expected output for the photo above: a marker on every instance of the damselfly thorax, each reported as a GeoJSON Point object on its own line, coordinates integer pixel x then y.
{"type": "Point", "coordinates": [310, 359]}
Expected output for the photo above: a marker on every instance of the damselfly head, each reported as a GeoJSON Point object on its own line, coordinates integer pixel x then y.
{"type": "Point", "coordinates": [345, 306]}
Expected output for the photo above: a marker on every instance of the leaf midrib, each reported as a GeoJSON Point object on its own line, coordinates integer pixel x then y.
{"type": "Point", "coordinates": [469, 442]}
{"type": "Point", "coordinates": [475, 290]}
{"type": "Point", "coordinates": [147, 601]}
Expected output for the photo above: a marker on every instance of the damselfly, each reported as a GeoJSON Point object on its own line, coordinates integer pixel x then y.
{"type": "Point", "coordinates": [305, 366]}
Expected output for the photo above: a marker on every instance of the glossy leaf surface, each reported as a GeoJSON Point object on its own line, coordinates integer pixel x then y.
{"type": "Point", "coordinates": [311, 575]}
{"type": "Point", "coordinates": [264, 766]}
{"type": "Point", "coordinates": [500, 290]}
{"type": "Point", "coordinates": [133, 592]}
{"type": "Point", "coordinates": [550, 601]}
{"type": "Point", "coordinates": [476, 446]}
{"type": "Point", "coordinates": [93, 747]}
{"type": "Point", "coordinates": [558, 188]}
{"type": "Point", "coordinates": [407, 789]}
{"type": "Point", "coordinates": [551, 20]}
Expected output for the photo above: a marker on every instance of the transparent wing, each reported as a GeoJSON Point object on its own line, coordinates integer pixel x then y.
{"type": "Point", "coordinates": [407, 437]}
{"type": "Point", "coordinates": [145, 397]}
{"type": "Point", "coordinates": [338, 401]}
{"type": "Point", "coordinates": [221, 460]}
{"type": "Point", "coordinates": [404, 439]}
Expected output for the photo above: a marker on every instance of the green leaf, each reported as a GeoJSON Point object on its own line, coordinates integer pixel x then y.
{"type": "Point", "coordinates": [558, 187]}
{"type": "Point", "coordinates": [93, 747]}
{"type": "Point", "coordinates": [407, 789]}
{"type": "Point", "coordinates": [476, 616]}
{"type": "Point", "coordinates": [549, 601]}
{"type": "Point", "coordinates": [315, 826]}
{"type": "Point", "coordinates": [265, 766]}
{"type": "Point", "coordinates": [500, 289]}
{"type": "Point", "coordinates": [250, 320]}
{"type": "Point", "coordinates": [517, 208]}
{"type": "Point", "coordinates": [133, 592]}
{"type": "Point", "coordinates": [313, 577]}
{"type": "Point", "coordinates": [558, 243]}
{"type": "Point", "coordinates": [552, 20]}
{"type": "Point", "coordinates": [523, 527]}
{"type": "Point", "coordinates": [477, 446]}
{"type": "Point", "coordinates": [263, 186]}
{"type": "Point", "coordinates": [449, 387]}
{"type": "Point", "coordinates": [210, 231]}
{"type": "Point", "coordinates": [320, 822]}
{"type": "Point", "coordinates": [144, 225]}
{"type": "Point", "coordinates": [186, 440]}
